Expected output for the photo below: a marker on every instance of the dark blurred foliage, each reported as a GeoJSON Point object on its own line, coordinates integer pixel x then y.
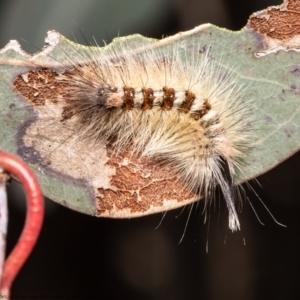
{"type": "Point", "coordinates": [81, 257]}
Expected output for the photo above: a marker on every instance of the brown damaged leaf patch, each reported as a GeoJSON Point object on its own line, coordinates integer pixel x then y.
{"type": "Point", "coordinates": [39, 86]}
{"type": "Point", "coordinates": [42, 85]}
{"type": "Point", "coordinates": [280, 22]}
{"type": "Point", "coordinates": [140, 185]}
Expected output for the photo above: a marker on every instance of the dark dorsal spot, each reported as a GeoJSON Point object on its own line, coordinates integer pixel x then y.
{"type": "Point", "coordinates": [207, 105]}
{"type": "Point", "coordinates": [102, 94]}
{"type": "Point", "coordinates": [187, 102]}
{"type": "Point", "coordinates": [203, 111]}
{"type": "Point", "coordinates": [206, 108]}
{"type": "Point", "coordinates": [128, 98]}
{"type": "Point", "coordinates": [148, 98]}
{"type": "Point", "coordinates": [168, 98]}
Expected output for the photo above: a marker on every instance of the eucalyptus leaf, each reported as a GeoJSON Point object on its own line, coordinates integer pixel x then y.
{"type": "Point", "coordinates": [271, 82]}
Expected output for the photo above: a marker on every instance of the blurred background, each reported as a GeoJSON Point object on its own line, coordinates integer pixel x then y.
{"type": "Point", "coordinates": [81, 257]}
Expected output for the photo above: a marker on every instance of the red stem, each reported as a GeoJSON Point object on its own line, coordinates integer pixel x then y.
{"type": "Point", "coordinates": [33, 223]}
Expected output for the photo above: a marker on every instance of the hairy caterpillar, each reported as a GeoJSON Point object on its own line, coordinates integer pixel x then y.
{"type": "Point", "coordinates": [176, 106]}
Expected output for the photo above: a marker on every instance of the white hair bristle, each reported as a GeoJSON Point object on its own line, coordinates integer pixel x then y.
{"type": "Point", "coordinates": [180, 108]}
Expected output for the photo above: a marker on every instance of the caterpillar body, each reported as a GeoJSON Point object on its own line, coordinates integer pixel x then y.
{"type": "Point", "coordinates": [179, 108]}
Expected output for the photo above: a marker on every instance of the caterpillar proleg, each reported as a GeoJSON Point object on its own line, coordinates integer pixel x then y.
{"type": "Point", "coordinates": [176, 106]}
